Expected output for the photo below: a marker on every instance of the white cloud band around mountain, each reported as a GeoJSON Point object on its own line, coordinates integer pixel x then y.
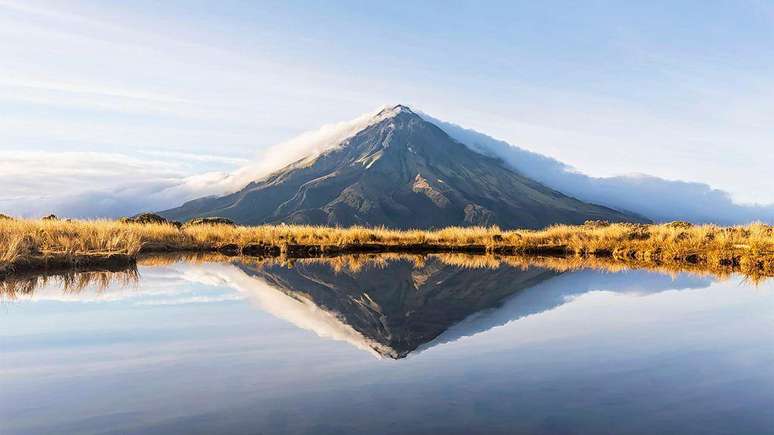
{"type": "Point", "coordinates": [653, 197]}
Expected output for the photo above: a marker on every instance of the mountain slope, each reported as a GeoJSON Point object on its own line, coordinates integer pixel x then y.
{"type": "Point", "coordinates": [403, 172]}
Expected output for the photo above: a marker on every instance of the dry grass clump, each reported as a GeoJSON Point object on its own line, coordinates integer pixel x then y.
{"type": "Point", "coordinates": [22, 238]}
{"type": "Point", "coordinates": [748, 247]}
{"type": "Point", "coordinates": [672, 240]}
{"type": "Point", "coordinates": [327, 236]}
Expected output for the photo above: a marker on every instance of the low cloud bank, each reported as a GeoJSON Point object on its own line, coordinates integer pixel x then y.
{"type": "Point", "coordinates": [93, 185]}
{"type": "Point", "coordinates": [653, 197]}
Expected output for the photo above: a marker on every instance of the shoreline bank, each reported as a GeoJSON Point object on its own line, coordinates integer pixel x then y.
{"type": "Point", "coordinates": [27, 246]}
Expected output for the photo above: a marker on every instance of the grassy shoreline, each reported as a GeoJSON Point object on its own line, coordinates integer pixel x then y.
{"type": "Point", "coordinates": [75, 280]}
{"type": "Point", "coordinates": [40, 245]}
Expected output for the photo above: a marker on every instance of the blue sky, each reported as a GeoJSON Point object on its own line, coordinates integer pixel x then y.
{"type": "Point", "coordinates": [93, 93]}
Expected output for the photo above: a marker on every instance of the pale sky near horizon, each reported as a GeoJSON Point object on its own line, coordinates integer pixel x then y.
{"type": "Point", "coordinates": [161, 90]}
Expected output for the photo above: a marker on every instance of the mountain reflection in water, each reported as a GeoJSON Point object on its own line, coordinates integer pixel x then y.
{"type": "Point", "coordinates": [389, 305]}
{"type": "Point", "coordinates": [385, 344]}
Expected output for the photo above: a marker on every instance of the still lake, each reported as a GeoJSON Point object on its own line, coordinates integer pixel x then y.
{"type": "Point", "coordinates": [393, 346]}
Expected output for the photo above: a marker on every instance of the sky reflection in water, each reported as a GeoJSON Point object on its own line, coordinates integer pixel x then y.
{"type": "Point", "coordinates": [402, 348]}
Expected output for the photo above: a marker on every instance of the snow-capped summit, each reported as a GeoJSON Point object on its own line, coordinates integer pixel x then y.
{"type": "Point", "coordinates": [391, 112]}
{"type": "Point", "coordinates": [399, 108]}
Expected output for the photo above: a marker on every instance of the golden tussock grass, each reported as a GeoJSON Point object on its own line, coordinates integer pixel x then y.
{"type": "Point", "coordinates": [748, 248]}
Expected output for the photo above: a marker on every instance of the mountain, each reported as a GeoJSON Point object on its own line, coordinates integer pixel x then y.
{"type": "Point", "coordinates": [400, 171]}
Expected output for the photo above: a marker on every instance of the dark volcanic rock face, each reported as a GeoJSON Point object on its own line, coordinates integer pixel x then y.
{"type": "Point", "coordinates": [401, 172]}
{"type": "Point", "coordinates": [399, 307]}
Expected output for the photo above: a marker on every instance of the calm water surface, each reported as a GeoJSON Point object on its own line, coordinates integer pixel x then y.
{"type": "Point", "coordinates": [397, 347]}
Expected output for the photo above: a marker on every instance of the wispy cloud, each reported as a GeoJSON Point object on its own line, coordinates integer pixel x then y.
{"type": "Point", "coordinates": [87, 88]}
{"type": "Point", "coordinates": [70, 79]}
{"type": "Point", "coordinates": [198, 157]}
